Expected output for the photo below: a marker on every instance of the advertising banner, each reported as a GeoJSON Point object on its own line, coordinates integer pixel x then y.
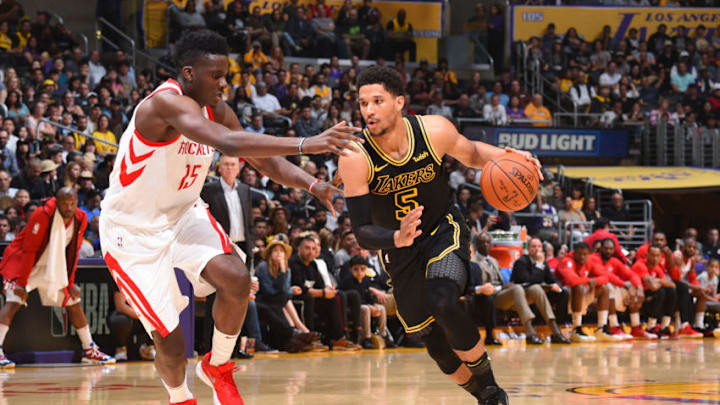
{"type": "Point", "coordinates": [553, 141]}
{"type": "Point", "coordinates": [589, 21]}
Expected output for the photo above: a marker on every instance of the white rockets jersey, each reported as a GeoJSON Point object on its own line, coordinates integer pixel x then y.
{"type": "Point", "coordinates": [153, 184]}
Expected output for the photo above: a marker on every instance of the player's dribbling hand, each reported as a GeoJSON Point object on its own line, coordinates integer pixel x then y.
{"type": "Point", "coordinates": [405, 236]}
{"type": "Point", "coordinates": [337, 139]}
{"type": "Point", "coordinates": [530, 158]}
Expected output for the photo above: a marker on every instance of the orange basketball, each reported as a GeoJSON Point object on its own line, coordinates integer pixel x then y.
{"type": "Point", "coordinates": [510, 182]}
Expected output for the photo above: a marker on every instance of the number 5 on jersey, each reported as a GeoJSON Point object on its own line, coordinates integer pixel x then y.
{"type": "Point", "coordinates": [192, 174]}
{"type": "Point", "coordinates": [405, 203]}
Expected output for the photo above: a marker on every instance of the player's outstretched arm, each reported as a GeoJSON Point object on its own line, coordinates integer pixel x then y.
{"type": "Point", "coordinates": [447, 140]}
{"type": "Point", "coordinates": [355, 172]}
{"type": "Point", "coordinates": [279, 169]}
{"type": "Point", "coordinates": [184, 114]}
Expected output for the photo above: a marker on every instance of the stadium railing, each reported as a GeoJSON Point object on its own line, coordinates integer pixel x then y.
{"type": "Point", "coordinates": [101, 24]}
{"type": "Point", "coordinates": [84, 37]}
{"type": "Point", "coordinates": [73, 130]}
{"type": "Point", "coordinates": [681, 144]}
{"type": "Point", "coordinates": [630, 234]}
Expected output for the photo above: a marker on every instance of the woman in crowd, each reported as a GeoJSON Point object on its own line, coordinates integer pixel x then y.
{"type": "Point", "coordinates": [273, 300]}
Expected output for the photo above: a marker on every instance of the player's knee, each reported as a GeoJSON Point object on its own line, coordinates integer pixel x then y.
{"type": "Point", "coordinates": [604, 289]}
{"type": "Point", "coordinates": [439, 351]}
{"type": "Point", "coordinates": [232, 276]}
{"type": "Point", "coordinates": [441, 297]}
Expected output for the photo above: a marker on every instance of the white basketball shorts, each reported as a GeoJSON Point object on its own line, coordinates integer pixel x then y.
{"type": "Point", "coordinates": [142, 263]}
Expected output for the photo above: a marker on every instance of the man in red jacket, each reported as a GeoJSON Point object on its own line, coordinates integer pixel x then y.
{"type": "Point", "coordinates": [685, 278]}
{"type": "Point", "coordinates": [626, 291]}
{"type": "Point", "coordinates": [602, 232]}
{"type": "Point", "coordinates": [587, 283]}
{"type": "Point", "coordinates": [44, 256]}
{"type": "Point", "coordinates": [661, 297]}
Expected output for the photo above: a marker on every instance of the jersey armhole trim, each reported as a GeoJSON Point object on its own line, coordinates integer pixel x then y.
{"type": "Point", "coordinates": [429, 144]}
{"type": "Point", "coordinates": [154, 144]}
{"type": "Point", "coordinates": [366, 155]}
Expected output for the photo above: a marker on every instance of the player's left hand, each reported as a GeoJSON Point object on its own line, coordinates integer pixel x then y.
{"type": "Point", "coordinates": [324, 192]}
{"type": "Point", "coordinates": [75, 291]}
{"type": "Point", "coordinates": [530, 158]}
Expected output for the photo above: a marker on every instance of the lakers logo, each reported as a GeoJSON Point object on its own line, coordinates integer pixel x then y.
{"type": "Point", "coordinates": [402, 181]}
{"type": "Point", "coordinates": [690, 392]}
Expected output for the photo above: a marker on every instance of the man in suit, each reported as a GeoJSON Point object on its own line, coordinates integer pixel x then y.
{"type": "Point", "coordinates": [532, 272]}
{"type": "Point", "coordinates": [514, 296]}
{"type": "Point", "coordinates": [230, 204]}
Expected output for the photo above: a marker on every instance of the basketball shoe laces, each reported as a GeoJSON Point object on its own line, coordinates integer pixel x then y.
{"type": "Point", "coordinates": [94, 353]}
{"type": "Point", "coordinates": [222, 379]}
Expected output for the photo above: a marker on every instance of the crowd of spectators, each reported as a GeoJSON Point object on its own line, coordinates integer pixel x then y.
{"type": "Point", "coordinates": [667, 77]}
{"type": "Point", "coordinates": [302, 252]}
{"type": "Point", "coordinates": [296, 30]}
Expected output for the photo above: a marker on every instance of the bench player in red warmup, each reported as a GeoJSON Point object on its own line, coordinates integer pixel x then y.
{"type": "Point", "coordinates": [153, 219]}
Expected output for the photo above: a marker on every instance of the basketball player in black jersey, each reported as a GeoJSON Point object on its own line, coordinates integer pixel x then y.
{"type": "Point", "coordinates": [400, 203]}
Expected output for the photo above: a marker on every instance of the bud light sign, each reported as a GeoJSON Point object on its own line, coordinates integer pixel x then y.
{"type": "Point", "coordinates": [553, 141]}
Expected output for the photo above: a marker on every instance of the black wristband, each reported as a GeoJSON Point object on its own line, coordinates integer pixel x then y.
{"type": "Point", "coordinates": [369, 236]}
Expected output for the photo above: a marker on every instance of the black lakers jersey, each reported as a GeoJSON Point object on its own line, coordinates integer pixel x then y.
{"type": "Point", "coordinates": [398, 186]}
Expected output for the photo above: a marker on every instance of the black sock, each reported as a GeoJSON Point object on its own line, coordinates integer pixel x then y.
{"type": "Point", "coordinates": [482, 371]}
{"type": "Point", "coordinates": [473, 387]}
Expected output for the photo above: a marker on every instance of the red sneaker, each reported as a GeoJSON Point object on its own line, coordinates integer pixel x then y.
{"type": "Point", "coordinates": [220, 379]}
{"type": "Point", "coordinates": [191, 401]}
{"type": "Point", "coordinates": [638, 333]}
{"type": "Point", "coordinates": [618, 331]}
{"type": "Point", "coordinates": [689, 332]}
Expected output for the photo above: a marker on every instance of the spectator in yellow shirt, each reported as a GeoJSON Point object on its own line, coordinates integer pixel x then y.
{"type": "Point", "coordinates": [536, 111]}
{"type": "Point", "coordinates": [103, 132]}
{"type": "Point", "coordinates": [255, 56]}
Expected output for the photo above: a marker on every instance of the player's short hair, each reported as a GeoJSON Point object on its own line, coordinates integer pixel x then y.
{"type": "Point", "coordinates": [195, 44]}
{"type": "Point", "coordinates": [388, 77]}
{"type": "Point", "coordinates": [601, 223]}
{"type": "Point", "coordinates": [607, 240]}
{"type": "Point", "coordinates": [581, 245]}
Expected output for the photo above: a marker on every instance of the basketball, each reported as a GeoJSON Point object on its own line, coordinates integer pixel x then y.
{"type": "Point", "coordinates": [510, 182]}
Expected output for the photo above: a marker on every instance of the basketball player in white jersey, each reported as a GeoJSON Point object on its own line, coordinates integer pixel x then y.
{"type": "Point", "coordinates": [153, 219]}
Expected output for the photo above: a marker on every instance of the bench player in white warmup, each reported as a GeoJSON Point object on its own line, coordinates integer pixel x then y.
{"type": "Point", "coordinates": [153, 219]}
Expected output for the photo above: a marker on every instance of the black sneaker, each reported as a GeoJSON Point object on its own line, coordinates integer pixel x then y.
{"type": "Point", "coordinates": [389, 342]}
{"type": "Point", "coordinates": [493, 395]}
{"type": "Point", "coordinates": [367, 343]}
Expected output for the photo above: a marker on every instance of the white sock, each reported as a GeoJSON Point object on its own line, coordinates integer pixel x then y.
{"type": "Point", "coordinates": [665, 322]}
{"type": "Point", "coordinates": [602, 318]}
{"type": "Point", "coordinates": [700, 320]}
{"type": "Point", "coordinates": [634, 318]}
{"type": "Point", "coordinates": [3, 331]}
{"type": "Point", "coordinates": [85, 337]}
{"type": "Point", "coordinates": [613, 320]}
{"type": "Point", "coordinates": [652, 322]}
{"type": "Point", "coordinates": [577, 319]}
{"type": "Point", "coordinates": [179, 394]}
{"type": "Point", "coordinates": [222, 347]}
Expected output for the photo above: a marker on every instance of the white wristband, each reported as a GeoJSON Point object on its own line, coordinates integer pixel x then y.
{"type": "Point", "coordinates": [302, 140]}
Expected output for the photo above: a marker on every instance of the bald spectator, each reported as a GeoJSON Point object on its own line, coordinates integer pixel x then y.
{"type": "Point", "coordinates": [537, 112]}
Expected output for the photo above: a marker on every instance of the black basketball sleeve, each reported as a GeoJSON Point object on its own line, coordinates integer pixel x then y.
{"type": "Point", "coordinates": [369, 236]}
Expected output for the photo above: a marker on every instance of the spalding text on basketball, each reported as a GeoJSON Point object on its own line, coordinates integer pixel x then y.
{"type": "Point", "coordinates": [521, 178]}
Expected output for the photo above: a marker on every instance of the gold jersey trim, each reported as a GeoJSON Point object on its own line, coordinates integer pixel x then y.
{"type": "Point", "coordinates": [385, 156]}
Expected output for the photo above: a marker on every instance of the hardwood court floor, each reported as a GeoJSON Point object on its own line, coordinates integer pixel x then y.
{"type": "Point", "coordinates": [668, 372]}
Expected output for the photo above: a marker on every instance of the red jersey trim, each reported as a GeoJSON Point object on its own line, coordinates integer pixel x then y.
{"type": "Point", "coordinates": [211, 117]}
{"type": "Point", "coordinates": [134, 159]}
{"type": "Point", "coordinates": [155, 144]}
